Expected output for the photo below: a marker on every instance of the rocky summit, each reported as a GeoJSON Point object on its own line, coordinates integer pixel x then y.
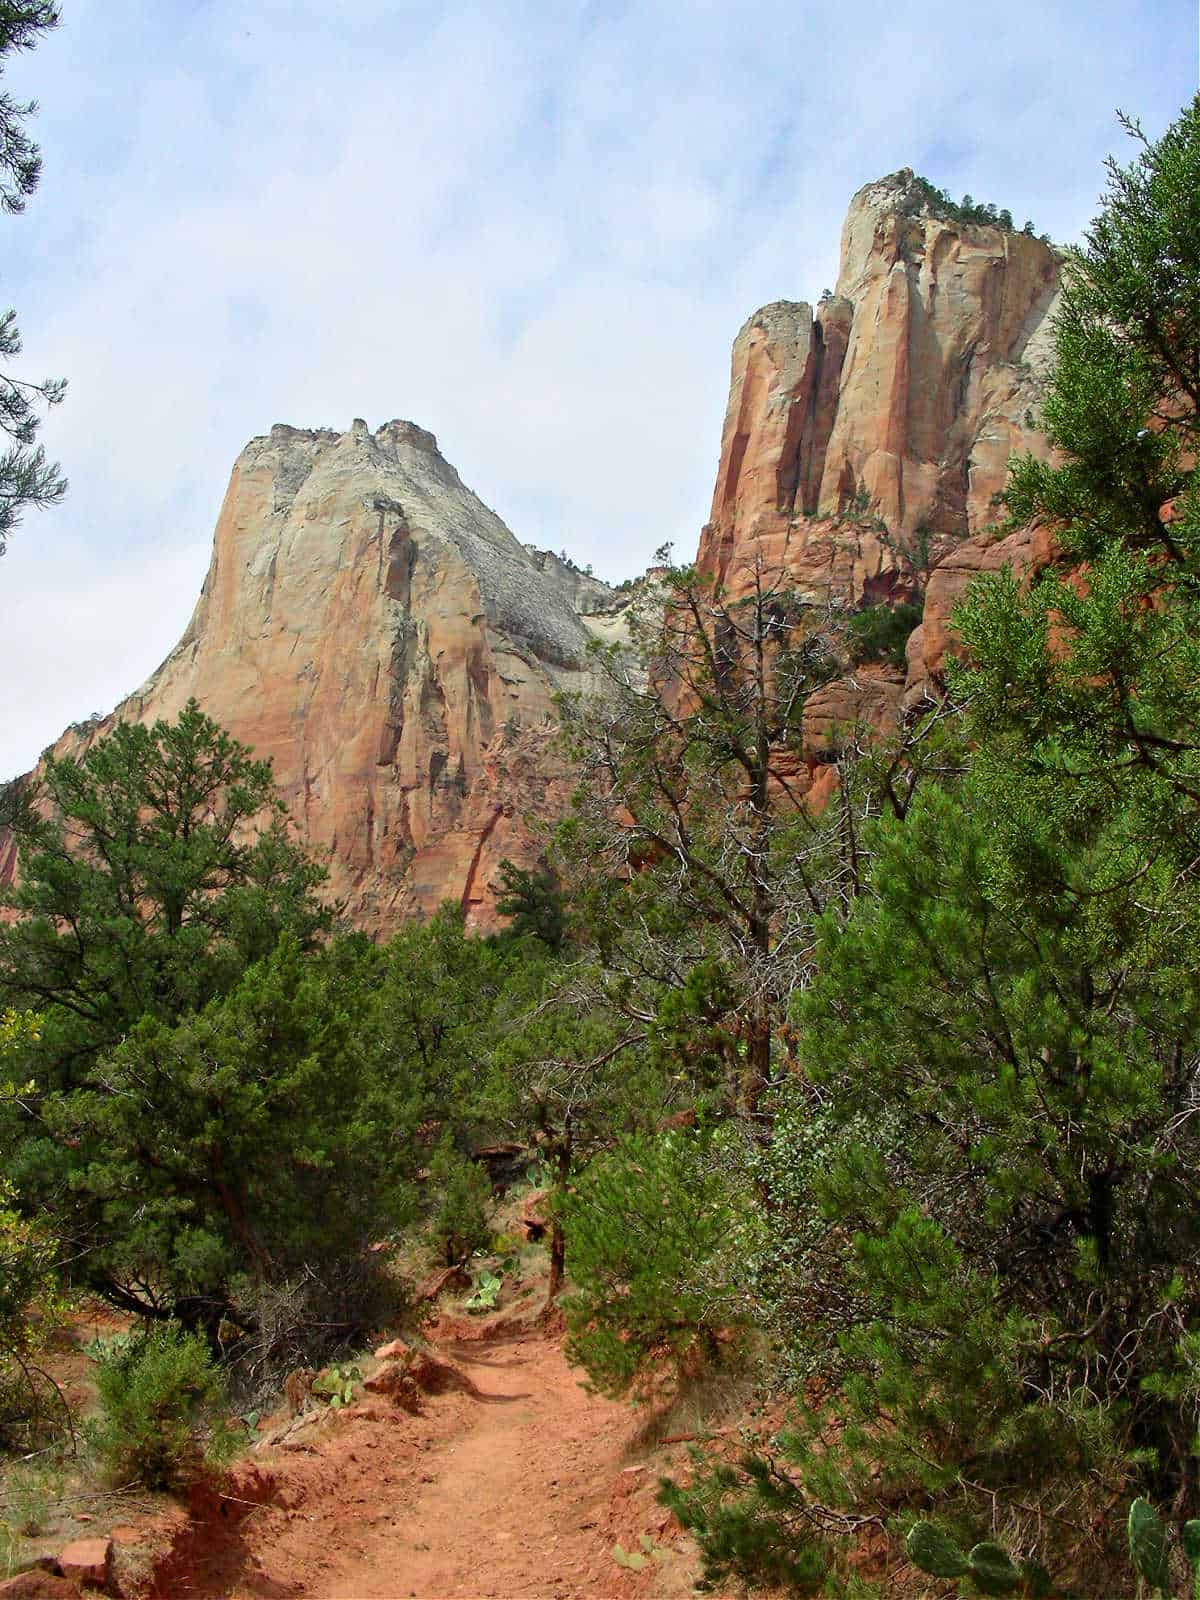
{"type": "Point", "coordinates": [866, 441]}
{"type": "Point", "coordinates": [372, 627]}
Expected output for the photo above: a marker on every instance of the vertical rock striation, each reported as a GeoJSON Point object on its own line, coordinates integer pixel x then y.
{"type": "Point", "coordinates": [865, 443]}
{"type": "Point", "coordinates": [888, 416]}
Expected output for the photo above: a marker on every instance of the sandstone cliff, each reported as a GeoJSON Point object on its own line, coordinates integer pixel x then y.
{"type": "Point", "coordinates": [375, 630]}
{"type": "Point", "coordinates": [864, 443]}
{"type": "Point", "coordinates": [897, 403]}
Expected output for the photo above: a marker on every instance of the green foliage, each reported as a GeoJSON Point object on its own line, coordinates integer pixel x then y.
{"type": "Point", "coordinates": [31, 1304]}
{"type": "Point", "coordinates": [162, 1405]}
{"type": "Point", "coordinates": [1121, 404]}
{"type": "Point", "coordinates": [11, 1551]}
{"type": "Point", "coordinates": [153, 871]}
{"type": "Point", "coordinates": [753, 1525]}
{"type": "Point", "coordinates": [566, 1073]}
{"type": "Point", "coordinates": [651, 1253]}
{"type": "Point", "coordinates": [205, 1106]}
{"type": "Point", "coordinates": [251, 1144]}
{"type": "Point", "coordinates": [631, 1560]}
{"type": "Point", "coordinates": [987, 1565]}
{"type": "Point", "coordinates": [972, 1036]}
{"type": "Point", "coordinates": [460, 1223]}
{"type": "Point", "coordinates": [534, 900]}
{"type": "Point", "coordinates": [880, 633]}
{"type": "Point", "coordinates": [926, 198]}
{"type": "Point", "coordinates": [487, 1292]}
{"type": "Point", "coordinates": [26, 477]}
{"type": "Point", "coordinates": [678, 855]}
{"type": "Point", "coordinates": [31, 1307]}
{"type": "Point", "coordinates": [983, 1181]}
{"type": "Point", "coordinates": [439, 997]}
{"type": "Point", "coordinates": [1150, 1547]}
{"type": "Point", "coordinates": [29, 1491]}
{"type": "Point", "coordinates": [933, 1550]}
{"type": "Point", "coordinates": [992, 1570]}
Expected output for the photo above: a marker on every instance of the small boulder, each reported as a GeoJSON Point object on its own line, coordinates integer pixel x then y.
{"type": "Point", "coordinates": [88, 1561]}
{"type": "Point", "coordinates": [394, 1350]}
{"type": "Point", "coordinates": [393, 1380]}
{"type": "Point", "coordinates": [39, 1585]}
{"type": "Point", "coordinates": [435, 1377]}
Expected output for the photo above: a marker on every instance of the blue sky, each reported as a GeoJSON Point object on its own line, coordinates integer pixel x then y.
{"type": "Point", "coordinates": [534, 228]}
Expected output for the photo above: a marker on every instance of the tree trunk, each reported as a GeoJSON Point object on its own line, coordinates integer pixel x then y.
{"type": "Point", "coordinates": [558, 1244]}
{"type": "Point", "coordinates": [558, 1258]}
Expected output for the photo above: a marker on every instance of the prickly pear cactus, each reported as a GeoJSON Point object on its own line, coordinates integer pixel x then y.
{"type": "Point", "coordinates": [992, 1569]}
{"type": "Point", "coordinates": [935, 1552]}
{"type": "Point", "coordinates": [1148, 1544]}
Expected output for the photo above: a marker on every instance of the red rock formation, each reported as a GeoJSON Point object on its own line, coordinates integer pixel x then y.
{"type": "Point", "coordinates": [871, 438]}
{"type": "Point", "coordinates": [1027, 551]}
{"type": "Point", "coordinates": [895, 407]}
{"type": "Point", "coordinates": [863, 704]}
{"type": "Point", "coordinates": [375, 630]}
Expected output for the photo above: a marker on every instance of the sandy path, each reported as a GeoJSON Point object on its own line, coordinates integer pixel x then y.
{"type": "Point", "coordinates": [513, 1505]}
{"type": "Point", "coordinates": [515, 1491]}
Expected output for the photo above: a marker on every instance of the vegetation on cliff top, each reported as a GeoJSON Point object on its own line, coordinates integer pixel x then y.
{"type": "Point", "coordinates": [926, 199]}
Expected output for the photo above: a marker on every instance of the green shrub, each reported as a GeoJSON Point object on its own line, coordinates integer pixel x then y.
{"type": "Point", "coordinates": [880, 633]}
{"type": "Point", "coordinates": [459, 1224]}
{"type": "Point", "coordinates": [1150, 1548]}
{"type": "Point", "coordinates": [487, 1292]}
{"type": "Point", "coordinates": [987, 1566]}
{"type": "Point", "coordinates": [752, 1526]}
{"type": "Point", "coordinates": [650, 1232]}
{"type": "Point", "coordinates": [926, 198]}
{"type": "Point", "coordinates": [162, 1399]}
{"type": "Point", "coordinates": [11, 1551]}
{"type": "Point", "coordinates": [336, 1384]}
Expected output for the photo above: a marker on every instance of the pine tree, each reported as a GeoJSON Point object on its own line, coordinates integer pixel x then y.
{"type": "Point", "coordinates": [26, 477]}
{"type": "Point", "coordinates": [654, 1257]}
{"type": "Point", "coordinates": [152, 872]}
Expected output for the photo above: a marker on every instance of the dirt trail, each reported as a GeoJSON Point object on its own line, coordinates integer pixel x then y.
{"type": "Point", "coordinates": [518, 1490]}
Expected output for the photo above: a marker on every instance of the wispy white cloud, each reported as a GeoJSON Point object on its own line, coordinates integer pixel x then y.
{"type": "Point", "coordinates": [533, 228]}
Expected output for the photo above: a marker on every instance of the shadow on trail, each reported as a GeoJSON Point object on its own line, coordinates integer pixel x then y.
{"type": "Point", "coordinates": [467, 1354]}
{"type": "Point", "coordinates": [500, 1399]}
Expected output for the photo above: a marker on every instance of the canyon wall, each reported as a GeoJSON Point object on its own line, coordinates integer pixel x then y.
{"type": "Point", "coordinates": [374, 629]}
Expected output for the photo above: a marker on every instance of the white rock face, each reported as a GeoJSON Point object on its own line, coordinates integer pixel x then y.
{"type": "Point", "coordinates": [369, 624]}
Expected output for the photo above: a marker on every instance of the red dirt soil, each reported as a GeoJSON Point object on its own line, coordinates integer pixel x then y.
{"type": "Point", "coordinates": [516, 1487]}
